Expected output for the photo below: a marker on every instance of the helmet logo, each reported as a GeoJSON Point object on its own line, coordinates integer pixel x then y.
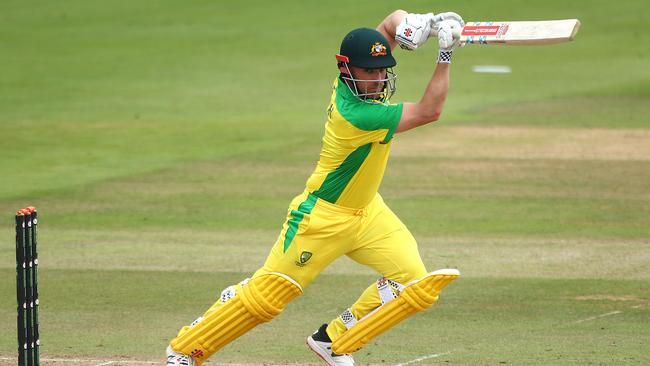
{"type": "Point", "coordinates": [408, 32]}
{"type": "Point", "coordinates": [378, 49]}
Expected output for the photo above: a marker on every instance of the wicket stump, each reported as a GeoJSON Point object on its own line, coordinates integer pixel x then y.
{"type": "Point", "coordinates": [27, 286]}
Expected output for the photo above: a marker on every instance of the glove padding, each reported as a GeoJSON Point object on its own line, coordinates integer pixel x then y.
{"type": "Point", "coordinates": [450, 15]}
{"type": "Point", "coordinates": [448, 34]}
{"type": "Point", "coordinates": [414, 30]}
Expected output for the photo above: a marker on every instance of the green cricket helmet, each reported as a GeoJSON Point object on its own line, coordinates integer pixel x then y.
{"type": "Point", "coordinates": [369, 49]}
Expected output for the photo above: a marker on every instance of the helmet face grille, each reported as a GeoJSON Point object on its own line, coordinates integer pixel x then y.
{"type": "Point", "coordinates": [390, 85]}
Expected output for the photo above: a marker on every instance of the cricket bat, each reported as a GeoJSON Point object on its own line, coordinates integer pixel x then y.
{"type": "Point", "coordinates": [520, 32]}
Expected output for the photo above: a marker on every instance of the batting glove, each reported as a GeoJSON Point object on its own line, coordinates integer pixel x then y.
{"type": "Point", "coordinates": [414, 30]}
{"type": "Point", "coordinates": [448, 39]}
{"type": "Point", "coordinates": [438, 18]}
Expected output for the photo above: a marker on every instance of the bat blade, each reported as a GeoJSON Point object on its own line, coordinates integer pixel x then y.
{"type": "Point", "coordinates": [520, 32]}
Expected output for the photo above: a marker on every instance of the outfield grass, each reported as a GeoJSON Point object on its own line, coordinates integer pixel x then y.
{"type": "Point", "coordinates": [162, 141]}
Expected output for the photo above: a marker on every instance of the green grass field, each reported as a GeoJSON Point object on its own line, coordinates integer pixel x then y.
{"type": "Point", "coordinates": [162, 142]}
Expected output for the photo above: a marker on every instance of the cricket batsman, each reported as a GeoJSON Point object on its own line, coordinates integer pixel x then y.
{"type": "Point", "coordinates": [340, 211]}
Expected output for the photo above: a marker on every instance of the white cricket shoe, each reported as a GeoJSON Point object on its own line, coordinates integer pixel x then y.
{"type": "Point", "coordinates": [320, 343]}
{"type": "Point", "coordinates": [178, 359]}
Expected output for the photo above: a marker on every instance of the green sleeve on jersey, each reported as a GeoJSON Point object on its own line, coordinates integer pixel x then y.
{"type": "Point", "coordinates": [368, 116]}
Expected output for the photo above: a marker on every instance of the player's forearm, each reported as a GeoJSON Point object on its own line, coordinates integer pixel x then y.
{"type": "Point", "coordinates": [434, 97]}
{"type": "Point", "coordinates": [429, 108]}
{"type": "Point", "coordinates": [389, 24]}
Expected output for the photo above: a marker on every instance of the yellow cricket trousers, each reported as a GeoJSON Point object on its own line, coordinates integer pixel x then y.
{"type": "Point", "coordinates": [317, 232]}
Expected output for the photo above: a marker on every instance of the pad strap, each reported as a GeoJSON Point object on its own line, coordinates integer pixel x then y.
{"type": "Point", "coordinates": [348, 318]}
{"type": "Point", "coordinates": [388, 289]}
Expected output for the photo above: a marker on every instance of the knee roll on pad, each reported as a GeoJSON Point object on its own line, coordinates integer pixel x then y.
{"type": "Point", "coordinates": [417, 296]}
{"type": "Point", "coordinates": [256, 302]}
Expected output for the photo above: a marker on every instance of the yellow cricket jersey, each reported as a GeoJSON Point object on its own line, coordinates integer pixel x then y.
{"type": "Point", "coordinates": [355, 148]}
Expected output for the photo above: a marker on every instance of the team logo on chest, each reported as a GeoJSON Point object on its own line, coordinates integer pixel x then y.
{"type": "Point", "coordinates": [378, 49]}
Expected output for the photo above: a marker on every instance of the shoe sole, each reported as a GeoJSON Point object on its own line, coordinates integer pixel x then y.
{"type": "Point", "coordinates": [316, 350]}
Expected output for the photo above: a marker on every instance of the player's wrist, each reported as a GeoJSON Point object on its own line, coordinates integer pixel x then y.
{"type": "Point", "coordinates": [444, 56]}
